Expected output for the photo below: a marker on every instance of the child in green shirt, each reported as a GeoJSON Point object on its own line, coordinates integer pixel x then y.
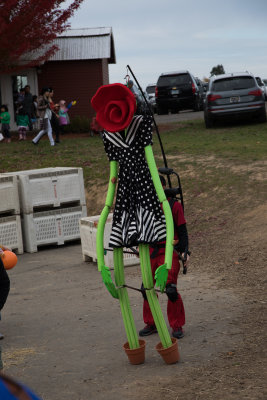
{"type": "Point", "coordinates": [22, 121]}
{"type": "Point", "coordinates": [5, 121]}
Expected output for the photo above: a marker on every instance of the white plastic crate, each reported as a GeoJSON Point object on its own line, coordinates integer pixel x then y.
{"type": "Point", "coordinates": [88, 228]}
{"type": "Point", "coordinates": [9, 197]}
{"type": "Point", "coordinates": [50, 187]}
{"type": "Point", "coordinates": [10, 233]}
{"type": "Point", "coordinates": [51, 227]}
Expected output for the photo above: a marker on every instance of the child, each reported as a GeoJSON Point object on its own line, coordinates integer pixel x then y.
{"type": "Point", "coordinates": [22, 121]}
{"type": "Point", "coordinates": [5, 120]}
{"type": "Point", "coordinates": [63, 115]}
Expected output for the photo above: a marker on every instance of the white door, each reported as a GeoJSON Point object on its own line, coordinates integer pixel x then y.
{"type": "Point", "coordinates": [10, 85]}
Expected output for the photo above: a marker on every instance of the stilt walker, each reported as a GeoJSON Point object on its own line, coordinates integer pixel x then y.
{"type": "Point", "coordinates": [138, 218]}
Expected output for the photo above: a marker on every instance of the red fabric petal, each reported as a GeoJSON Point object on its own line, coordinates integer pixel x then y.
{"type": "Point", "coordinates": [115, 105]}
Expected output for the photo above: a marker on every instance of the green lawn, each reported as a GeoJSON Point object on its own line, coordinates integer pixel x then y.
{"type": "Point", "coordinates": [208, 161]}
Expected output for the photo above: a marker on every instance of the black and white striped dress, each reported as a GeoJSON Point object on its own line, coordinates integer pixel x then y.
{"type": "Point", "coordinates": [137, 217]}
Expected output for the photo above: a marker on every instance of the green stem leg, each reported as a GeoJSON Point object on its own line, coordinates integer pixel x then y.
{"type": "Point", "coordinates": [152, 297]}
{"type": "Point", "coordinates": [124, 300]}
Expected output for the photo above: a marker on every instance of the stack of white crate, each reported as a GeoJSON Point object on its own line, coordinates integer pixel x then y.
{"type": "Point", "coordinates": [88, 229]}
{"type": "Point", "coordinates": [10, 222]}
{"type": "Point", "coordinates": [52, 202]}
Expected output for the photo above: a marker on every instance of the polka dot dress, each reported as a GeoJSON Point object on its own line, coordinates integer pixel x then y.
{"type": "Point", "coordinates": [137, 217]}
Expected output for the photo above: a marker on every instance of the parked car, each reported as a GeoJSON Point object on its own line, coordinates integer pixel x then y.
{"type": "Point", "coordinates": [205, 89]}
{"type": "Point", "coordinates": [233, 95]}
{"type": "Point", "coordinates": [262, 86]}
{"type": "Point", "coordinates": [140, 101]}
{"type": "Point", "coordinates": [177, 91]}
{"type": "Point", "coordinates": [202, 91]}
{"type": "Point", "coordinates": [150, 91]}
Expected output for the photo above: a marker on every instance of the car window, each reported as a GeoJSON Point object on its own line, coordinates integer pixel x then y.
{"type": "Point", "coordinates": [173, 80]}
{"type": "Point", "coordinates": [234, 83]}
{"type": "Point", "coordinates": [150, 89]}
{"type": "Point", "coordinates": [259, 81]}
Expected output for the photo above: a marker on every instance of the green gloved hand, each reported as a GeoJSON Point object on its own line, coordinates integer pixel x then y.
{"type": "Point", "coordinates": [161, 276]}
{"type": "Point", "coordinates": [106, 276]}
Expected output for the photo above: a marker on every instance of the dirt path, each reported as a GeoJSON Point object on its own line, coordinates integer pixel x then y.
{"type": "Point", "coordinates": [64, 333]}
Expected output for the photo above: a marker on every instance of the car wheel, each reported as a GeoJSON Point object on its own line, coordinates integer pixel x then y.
{"type": "Point", "coordinates": [262, 117]}
{"type": "Point", "coordinates": [208, 122]}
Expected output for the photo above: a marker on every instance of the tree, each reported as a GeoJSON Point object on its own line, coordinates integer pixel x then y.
{"type": "Point", "coordinates": [218, 70]}
{"type": "Point", "coordinates": [27, 30]}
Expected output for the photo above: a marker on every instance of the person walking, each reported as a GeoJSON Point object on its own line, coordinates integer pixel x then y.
{"type": "Point", "coordinates": [175, 306]}
{"type": "Point", "coordinates": [35, 118]}
{"type": "Point", "coordinates": [45, 115]}
{"type": "Point", "coordinates": [27, 104]}
{"type": "Point", "coordinates": [55, 117]}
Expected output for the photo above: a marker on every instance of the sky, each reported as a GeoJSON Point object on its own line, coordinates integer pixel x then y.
{"type": "Point", "coordinates": [156, 36]}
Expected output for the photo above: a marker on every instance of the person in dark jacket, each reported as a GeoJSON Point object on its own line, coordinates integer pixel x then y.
{"type": "Point", "coordinates": [27, 105]}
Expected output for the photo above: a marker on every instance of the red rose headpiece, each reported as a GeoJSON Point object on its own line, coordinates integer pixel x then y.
{"type": "Point", "coordinates": [115, 106]}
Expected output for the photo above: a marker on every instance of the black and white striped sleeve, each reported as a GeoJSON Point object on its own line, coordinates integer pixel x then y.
{"type": "Point", "coordinates": [110, 149]}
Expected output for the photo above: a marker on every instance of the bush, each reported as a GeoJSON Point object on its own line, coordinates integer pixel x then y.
{"type": "Point", "coordinates": [78, 124]}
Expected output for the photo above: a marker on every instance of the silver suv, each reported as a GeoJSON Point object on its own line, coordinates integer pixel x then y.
{"type": "Point", "coordinates": [233, 95]}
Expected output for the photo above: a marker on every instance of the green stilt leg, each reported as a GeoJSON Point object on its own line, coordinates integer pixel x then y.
{"type": "Point", "coordinates": [124, 300]}
{"type": "Point", "coordinates": [105, 271]}
{"type": "Point", "coordinates": [152, 297]}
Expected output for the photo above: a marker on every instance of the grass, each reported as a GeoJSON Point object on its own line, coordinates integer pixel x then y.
{"type": "Point", "coordinates": [204, 159]}
{"type": "Point", "coordinates": [243, 143]}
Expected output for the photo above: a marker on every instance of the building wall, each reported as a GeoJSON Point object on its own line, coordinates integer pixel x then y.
{"type": "Point", "coordinates": [74, 80]}
{"type": "Point", "coordinates": [105, 71]}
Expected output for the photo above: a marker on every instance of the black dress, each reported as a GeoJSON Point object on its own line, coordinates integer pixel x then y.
{"type": "Point", "coordinates": [137, 217]}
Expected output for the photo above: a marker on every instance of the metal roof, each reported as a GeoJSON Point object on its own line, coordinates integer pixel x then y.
{"type": "Point", "coordinates": [85, 44]}
{"type": "Point", "coordinates": [86, 32]}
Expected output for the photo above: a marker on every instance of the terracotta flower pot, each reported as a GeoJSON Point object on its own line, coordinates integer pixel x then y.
{"type": "Point", "coordinates": [136, 356]}
{"type": "Point", "coordinates": [171, 354]}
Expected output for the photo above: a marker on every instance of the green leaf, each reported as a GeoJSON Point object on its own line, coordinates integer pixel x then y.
{"type": "Point", "coordinates": [106, 276]}
{"type": "Point", "coordinates": [161, 276]}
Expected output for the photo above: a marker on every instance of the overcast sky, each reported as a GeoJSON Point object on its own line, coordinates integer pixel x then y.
{"type": "Point", "coordinates": [169, 35]}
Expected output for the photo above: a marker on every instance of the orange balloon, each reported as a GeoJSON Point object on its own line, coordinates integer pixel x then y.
{"type": "Point", "coordinates": [9, 259]}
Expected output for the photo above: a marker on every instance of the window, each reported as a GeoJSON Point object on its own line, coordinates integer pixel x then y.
{"type": "Point", "coordinates": [174, 80]}
{"type": "Point", "coordinates": [234, 83]}
{"type": "Point", "coordinates": [150, 89]}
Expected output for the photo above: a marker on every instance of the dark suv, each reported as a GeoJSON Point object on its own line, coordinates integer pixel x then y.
{"type": "Point", "coordinates": [177, 91]}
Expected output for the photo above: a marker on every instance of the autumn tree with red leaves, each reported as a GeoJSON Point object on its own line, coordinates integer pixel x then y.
{"type": "Point", "coordinates": [27, 31]}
